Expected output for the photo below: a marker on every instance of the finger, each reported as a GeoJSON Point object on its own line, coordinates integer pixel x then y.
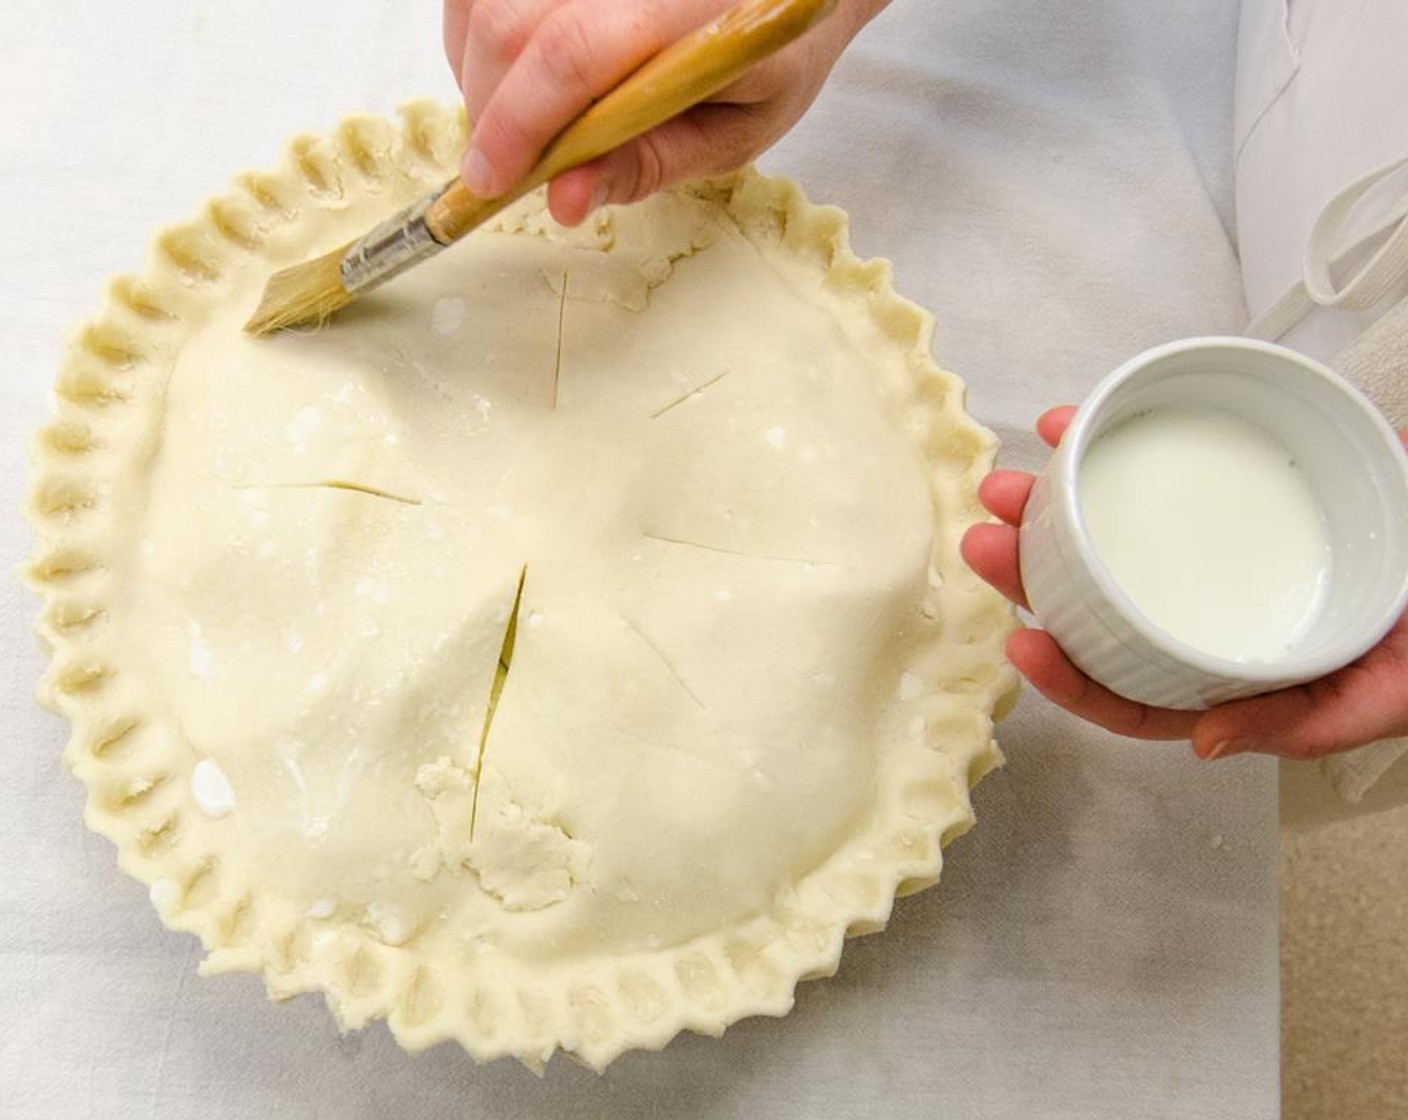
{"type": "Point", "coordinates": [1244, 726]}
{"type": "Point", "coordinates": [1052, 424]}
{"type": "Point", "coordinates": [578, 52]}
{"type": "Point", "coordinates": [708, 140]}
{"type": "Point", "coordinates": [991, 551]}
{"type": "Point", "coordinates": [1362, 703]}
{"type": "Point", "coordinates": [1004, 494]}
{"type": "Point", "coordinates": [495, 33]}
{"type": "Point", "coordinates": [454, 25]}
{"type": "Point", "coordinates": [1038, 657]}
{"type": "Point", "coordinates": [574, 194]}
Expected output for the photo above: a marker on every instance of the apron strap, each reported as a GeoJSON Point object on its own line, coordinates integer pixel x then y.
{"type": "Point", "coordinates": [1362, 288]}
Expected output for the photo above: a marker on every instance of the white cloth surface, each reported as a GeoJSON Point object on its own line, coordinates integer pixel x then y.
{"type": "Point", "coordinates": [1055, 182]}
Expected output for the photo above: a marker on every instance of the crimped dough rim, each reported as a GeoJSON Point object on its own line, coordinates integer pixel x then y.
{"type": "Point", "coordinates": [137, 782]}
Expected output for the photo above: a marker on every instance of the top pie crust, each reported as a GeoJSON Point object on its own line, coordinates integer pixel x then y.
{"type": "Point", "coordinates": [696, 451]}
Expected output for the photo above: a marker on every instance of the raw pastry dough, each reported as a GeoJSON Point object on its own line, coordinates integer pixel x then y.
{"type": "Point", "coordinates": [568, 647]}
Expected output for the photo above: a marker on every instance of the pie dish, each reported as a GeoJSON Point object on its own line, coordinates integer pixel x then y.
{"type": "Point", "coordinates": [566, 648]}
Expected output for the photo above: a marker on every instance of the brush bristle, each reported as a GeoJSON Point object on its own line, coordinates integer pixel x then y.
{"type": "Point", "coordinates": [306, 294]}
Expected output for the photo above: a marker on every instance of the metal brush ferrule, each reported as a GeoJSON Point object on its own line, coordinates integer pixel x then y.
{"type": "Point", "coordinates": [390, 248]}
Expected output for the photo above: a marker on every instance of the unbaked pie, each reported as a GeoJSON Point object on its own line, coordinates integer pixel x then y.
{"type": "Point", "coordinates": [566, 647]}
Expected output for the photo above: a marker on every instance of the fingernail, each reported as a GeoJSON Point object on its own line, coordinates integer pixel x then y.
{"type": "Point", "coordinates": [600, 193]}
{"type": "Point", "coordinates": [478, 174]}
{"type": "Point", "coordinates": [1229, 747]}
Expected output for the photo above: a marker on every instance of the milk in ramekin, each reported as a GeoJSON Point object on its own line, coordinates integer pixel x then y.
{"type": "Point", "coordinates": [1223, 517]}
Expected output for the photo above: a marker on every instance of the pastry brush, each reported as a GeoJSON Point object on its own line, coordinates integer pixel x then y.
{"type": "Point", "coordinates": [679, 77]}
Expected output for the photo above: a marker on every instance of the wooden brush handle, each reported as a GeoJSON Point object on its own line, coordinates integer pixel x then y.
{"type": "Point", "coordinates": [676, 79]}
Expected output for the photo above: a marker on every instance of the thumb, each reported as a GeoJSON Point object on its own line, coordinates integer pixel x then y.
{"type": "Point", "coordinates": [1360, 704]}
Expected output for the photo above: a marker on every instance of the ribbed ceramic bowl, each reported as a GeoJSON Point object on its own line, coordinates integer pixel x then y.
{"type": "Point", "coordinates": [1354, 462]}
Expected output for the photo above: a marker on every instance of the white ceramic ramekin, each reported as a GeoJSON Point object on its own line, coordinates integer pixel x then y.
{"type": "Point", "coordinates": [1353, 459]}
